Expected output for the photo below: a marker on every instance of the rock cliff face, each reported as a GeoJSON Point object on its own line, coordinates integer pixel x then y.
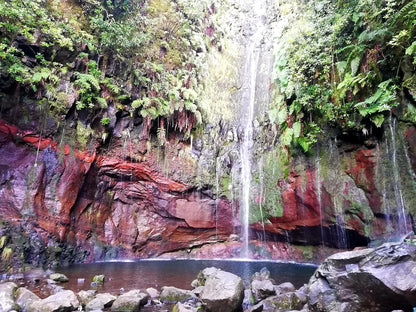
{"type": "Point", "coordinates": [109, 206]}
{"type": "Point", "coordinates": [110, 182]}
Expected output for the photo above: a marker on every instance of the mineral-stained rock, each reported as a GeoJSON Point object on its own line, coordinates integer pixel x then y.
{"type": "Point", "coordinates": [381, 279]}
{"type": "Point", "coordinates": [223, 291]}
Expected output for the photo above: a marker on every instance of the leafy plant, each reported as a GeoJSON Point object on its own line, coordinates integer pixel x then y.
{"type": "Point", "coordinates": [105, 121]}
{"type": "Point", "coordinates": [339, 64]}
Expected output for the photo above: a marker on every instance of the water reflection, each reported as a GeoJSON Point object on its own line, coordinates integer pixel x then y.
{"type": "Point", "coordinates": [179, 273]}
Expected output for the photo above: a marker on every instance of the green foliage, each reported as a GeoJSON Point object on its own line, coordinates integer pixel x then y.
{"type": "Point", "coordinates": [88, 88]}
{"type": "Point", "coordinates": [338, 63]}
{"type": "Point", "coordinates": [154, 41]}
{"type": "Point", "coordinates": [268, 202]}
{"type": "Point", "coordinates": [105, 121]}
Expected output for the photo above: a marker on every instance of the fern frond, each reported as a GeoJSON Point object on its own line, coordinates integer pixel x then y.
{"type": "Point", "coordinates": [368, 36]}
{"type": "Point", "coordinates": [407, 12]}
{"type": "Point", "coordinates": [86, 81]}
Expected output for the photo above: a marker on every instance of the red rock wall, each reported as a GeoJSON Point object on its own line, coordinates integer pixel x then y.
{"type": "Point", "coordinates": [106, 203]}
{"type": "Point", "coordinates": [94, 201]}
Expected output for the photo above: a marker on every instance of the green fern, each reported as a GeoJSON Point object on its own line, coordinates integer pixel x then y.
{"type": "Point", "coordinates": [101, 102]}
{"type": "Point", "coordinates": [411, 50]}
{"type": "Point", "coordinates": [86, 82]}
{"type": "Point", "coordinates": [382, 100]}
{"type": "Point", "coordinates": [369, 36]}
{"type": "Point", "coordinates": [406, 14]}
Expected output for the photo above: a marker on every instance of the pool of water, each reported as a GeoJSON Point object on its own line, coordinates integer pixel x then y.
{"type": "Point", "coordinates": [179, 273]}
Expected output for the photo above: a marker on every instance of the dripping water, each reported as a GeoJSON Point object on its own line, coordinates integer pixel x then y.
{"type": "Point", "coordinates": [398, 193]}
{"type": "Point", "coordinates": [261, 197]}
{"type": "Point", "coordinates": [248, 100]}
{"type": "Point", "coordinates": [318, 187]}
{"type": "Point", "coordinates": [217, 191]}
{"type": "Point", "coordinates": [385, 203]}
{"type": "Point", "coordinates": [341, 234]}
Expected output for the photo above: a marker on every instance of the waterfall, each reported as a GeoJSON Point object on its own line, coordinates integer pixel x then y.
{"type": "Point", "coordinates": [248, 102]}
{"type": "Point", "coordinates": [403, 226]}
{"type": "Point", "coordinates": [318, 187]}
{"type": "Point", "coordinates": [261, 197]}
{"type": "Point", "coordinates": [336, 185]}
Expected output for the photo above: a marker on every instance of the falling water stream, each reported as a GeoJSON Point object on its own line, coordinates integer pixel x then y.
{"type": "Point", "coordinates": [248, 102]}
{"type": "Point", "coordinates": [398, 191]}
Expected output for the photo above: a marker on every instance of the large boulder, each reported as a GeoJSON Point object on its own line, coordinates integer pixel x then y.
{"type": "Point", "coordinates": [262, 286]}
{"type": "Point", "coordinates": [85, 296]}
{"type": "Point", "coordinates": [60, 302]}
{"type": "Point", "coordinates": [24, 297]}
{"type": "Point", "coordinates": [100, 302]}
{"type": "Point", "coordinates": [130, 301]}
{"type": "Point", "coordinates": [171, 294]}
{"type": "Point", "coordinates": [381, 279]}
{"type": "Point", "coordinates": [7, 297]}
{"type": "Point", "coordinates": [223, 291]}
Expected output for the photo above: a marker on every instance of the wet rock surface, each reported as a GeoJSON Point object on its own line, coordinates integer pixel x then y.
{"type": "Point", "coordinates": [380, 279]}
{"type": "Point", "coordinates": [375, 279]}
{"type": "Point", "coordinates": [84, 202]}
{"type": "Point", "coordinates": [223, 291]}
{"type": "Point", "coordinates": [62, 301]}
{"type": "Point", "coordinates": [7, 296]}
{"type": "Point", "coordinates": [214, 290]}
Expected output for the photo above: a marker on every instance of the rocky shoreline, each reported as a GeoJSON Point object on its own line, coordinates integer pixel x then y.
{"type": "Point", "coordinates": [372, 279]}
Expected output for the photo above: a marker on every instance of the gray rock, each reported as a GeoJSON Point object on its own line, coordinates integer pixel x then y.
{"type": "Point", "coordinates": [60, 302]}
{"type": "Point", "coordinates": [197, 291]}
{"type": "Point", "coordinates": [173, 294]}
{"type": "Point", "coordinates": [130, 301]}
{"type": "Point", "coordinates": [286, 302]}
{"type": "Point", "coordinates": [184, 307]}
{"type": "Point", "coordinates": [153, 292]}
{"type": "Point", "coordinates": [264, 274]}
{"type": "Point", "coordinates": [285, 288]}
{"type": "Point", "coordinates": [7, 297]}
{"type": "Point", "coordinates": [223, 291]}
{"type": "Point", "coordinates": [85, 296]}
{"type": "Point", "coordinates": [100, 302]}
{"type": "Point", "coordinates": [256, 308]}
{"type": "Point", "coordinates": [302, 294]}
{"type": "Point", "coordinates": [248, 299]}
{"type": "Point", "coordinates": [381, 279]}
{"type": "Point", "coordinates": [58, 277]}
{"type": "Point", "coordinates": [25, 297]}
{"type": "Point", "coordinates": [262, 289]}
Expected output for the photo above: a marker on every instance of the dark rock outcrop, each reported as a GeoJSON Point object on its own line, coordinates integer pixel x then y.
{"type": "Point", "coordinates": [381, 279]}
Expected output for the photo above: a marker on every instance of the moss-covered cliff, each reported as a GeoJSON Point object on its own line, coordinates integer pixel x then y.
{"type": "Point", "coordinates": [122, 124]}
